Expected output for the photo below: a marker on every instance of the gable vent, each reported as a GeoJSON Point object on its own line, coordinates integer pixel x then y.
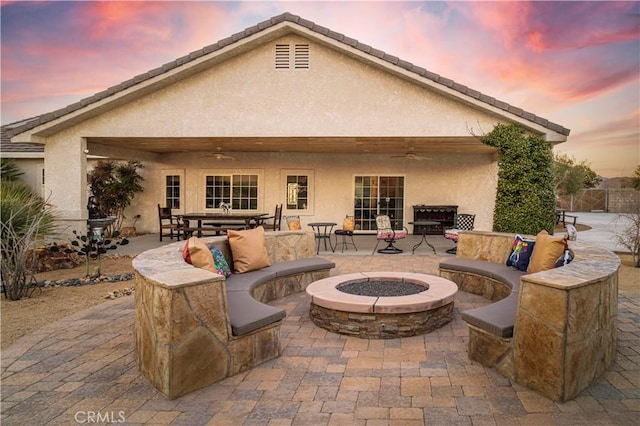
{"type": "Point", "coordinates": [282, 56]}
{"type": "Point", "coordinates": [299, 59]}
{"type": "Point", "coordinates": [301, 56]}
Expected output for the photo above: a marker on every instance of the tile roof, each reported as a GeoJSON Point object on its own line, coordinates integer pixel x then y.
{"type": "Point", "coordinates": [288, 17]}
{"type": "Point", "coordinates": [8, 147]}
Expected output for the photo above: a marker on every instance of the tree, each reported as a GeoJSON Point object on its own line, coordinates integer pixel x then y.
{"type": "Point", "coordinates": [635, 179]}
{"type": "Point", "coordinates": [569, 176]}
{"type": "Point", "coordinates": [113, 186]}
{"type": "Point", "coordinates": [629, 237]}
{"type": "Point", "coordinates": [525, 200]}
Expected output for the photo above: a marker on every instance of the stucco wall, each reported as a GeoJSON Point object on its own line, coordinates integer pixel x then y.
{"type": "Point", "coordinates": [246, 96]}
{"type": "Point", "coordinates": [468, 181]}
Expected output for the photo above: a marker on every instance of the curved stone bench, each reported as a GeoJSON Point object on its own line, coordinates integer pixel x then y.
{"type": "Point", "coordinates": [493, 281]}
{"type": "Point", "coordinates": [553, 331]}
{"type": "Point", "coordinates": [194, 328]}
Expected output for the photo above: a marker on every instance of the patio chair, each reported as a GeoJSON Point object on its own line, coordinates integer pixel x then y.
{"type": "Point", "coordinates": [348, 226]}
{"type": "Point", "coordinates": [170, 224]}
{"type": "Point", "coordinates": [462, 222]}
{"type": "Point", "coordinates": [387, 233]}
{"type": "Point", "coordinates": [274, 221]}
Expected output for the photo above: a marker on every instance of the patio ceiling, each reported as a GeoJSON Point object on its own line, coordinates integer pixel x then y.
{"type": "Point", "coordinates": [323, 145]}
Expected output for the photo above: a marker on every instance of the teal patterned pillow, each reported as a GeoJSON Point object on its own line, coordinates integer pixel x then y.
{"type": "Point", "coordinates": [220, 263]}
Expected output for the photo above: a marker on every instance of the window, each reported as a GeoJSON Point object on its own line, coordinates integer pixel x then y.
{"type": "Point", "coordinates": [172, 191]}
{"type": "Point", "coordinates": [297, 192]}
{"type": "Point", "coordinates": [300, 59]}
{"type": "Point", "coordinates": [376, 195]}
{"type": "Point", "coordinates": [173, 195]}
{"type": "Point", "coordinates": [240, 191]}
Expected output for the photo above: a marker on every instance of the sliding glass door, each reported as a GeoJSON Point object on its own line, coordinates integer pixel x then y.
{"type": "Point", "coordinates": [374, 195]}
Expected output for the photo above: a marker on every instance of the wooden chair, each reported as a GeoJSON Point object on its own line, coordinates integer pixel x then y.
{"type": "Point", "coordinates": [387, 233]}
{"type": "Point", "coordinates": [462, 222]}
{"type": "Point", "coordinates": [169, 223]}
{"type": "Point", "coordinates": [274, 225]}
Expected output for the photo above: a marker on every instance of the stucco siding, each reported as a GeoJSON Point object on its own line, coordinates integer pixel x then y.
{"type": "Point", "coordinates": [247, 96]}
{"type": "Point", "coordinates": [468, 181]}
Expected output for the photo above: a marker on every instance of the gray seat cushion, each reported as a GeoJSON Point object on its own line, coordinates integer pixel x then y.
{"type": "Point", "coordinates": [247, 314]}
{"type": "Point", "coordinates": [496, 318]}
{"type": "Point", "coordinates": [301, 266]}
{"type": "Point", "coordinates": [249, 280]}
{"type": "Point", "coordinates": [497, 271]}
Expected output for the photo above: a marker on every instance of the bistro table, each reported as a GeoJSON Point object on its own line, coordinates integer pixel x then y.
{"type": "Point", "coordinates": [323, 233]}
{"type": "Point", "coordinates": [424, 224]}
{"type": "Point", "coordinates": [251, 220]}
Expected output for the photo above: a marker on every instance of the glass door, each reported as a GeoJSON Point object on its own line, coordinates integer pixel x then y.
{"type": "Point", "coordinates": [374, 195]}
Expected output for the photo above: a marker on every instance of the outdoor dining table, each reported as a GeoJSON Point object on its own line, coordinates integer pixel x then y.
{"type": "Point", "coordinates": [251, 220]}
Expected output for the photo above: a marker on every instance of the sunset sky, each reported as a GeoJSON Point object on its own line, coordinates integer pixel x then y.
{"type": "Point", "coordinates": [574, 63]}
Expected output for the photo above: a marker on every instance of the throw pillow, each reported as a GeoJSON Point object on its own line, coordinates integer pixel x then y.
{"type": "Point", "coordinates": [564, 259]}
{"type": "Point", "coordinates": [546, 252]}
{"type": "Point", "coordinates": [294, 224]}
{"type": "Point", "coordinates": [348, 224]}
{"type": "Point", "coordinates": [248, 249]}
{"type": "Point", "coordinates": [220, 263]}
{"type": "Point", "coordinates": [521, 253]}
{"type": "Point", "coordinates": [198, 254]}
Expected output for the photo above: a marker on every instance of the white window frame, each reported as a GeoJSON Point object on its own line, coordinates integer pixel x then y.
{"type": "Point", "coordinates": [310, 210]}
{"type": "Point", "coordinates": [163, 197]}
{"type": "Point", "coordinates": [202, 197]}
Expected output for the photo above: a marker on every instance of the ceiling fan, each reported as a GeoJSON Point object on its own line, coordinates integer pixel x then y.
{"type": "Point", "coordinates": [219, 155]}
{"type": "Point", "coordinates": [411, 156]}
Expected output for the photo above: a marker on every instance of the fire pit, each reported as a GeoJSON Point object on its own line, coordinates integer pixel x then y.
{"type": "Point", "coordinates": [382, 305]}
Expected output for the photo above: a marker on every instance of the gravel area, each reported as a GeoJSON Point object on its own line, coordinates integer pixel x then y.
{"type": "Point", "coordinates": [381, 288]}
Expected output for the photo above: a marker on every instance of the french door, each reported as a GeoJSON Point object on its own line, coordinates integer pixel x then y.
{"type": "Point", "coordinates": [374, 195]}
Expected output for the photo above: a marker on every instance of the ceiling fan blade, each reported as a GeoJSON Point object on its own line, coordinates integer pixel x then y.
{"type": "Point", "coordinates": [219, 155]}
{"type": "Point", "coordinates": [411, 156]}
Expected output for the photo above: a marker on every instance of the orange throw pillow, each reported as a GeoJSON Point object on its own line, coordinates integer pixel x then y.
{"type": "Point", "coordinates": [248, 249]}
{"type": "Point", "coordinates": [198, 254]}
{"type": "Point", "coordinates": [294, 225]}
{"type": "Point", "coordinates": [546, 252]}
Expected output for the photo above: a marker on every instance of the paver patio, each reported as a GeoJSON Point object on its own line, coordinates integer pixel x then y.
{"type": "Point", "coordinates": [84, 366]}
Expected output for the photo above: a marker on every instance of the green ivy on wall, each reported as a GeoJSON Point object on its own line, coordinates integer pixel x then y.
{"type": "Point", "coordinates": [525, 200]}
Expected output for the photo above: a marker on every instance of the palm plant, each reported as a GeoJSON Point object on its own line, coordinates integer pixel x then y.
{"type": "Point", "coordinates": [9, 170]}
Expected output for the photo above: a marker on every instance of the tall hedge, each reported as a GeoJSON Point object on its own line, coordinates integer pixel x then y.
{"type": "Point", "coordinates": [525, 201]}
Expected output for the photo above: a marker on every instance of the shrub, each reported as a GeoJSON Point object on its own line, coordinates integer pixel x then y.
{"type": "Point", "coordinates": [25, 219]}
{"type": "Point", "coordinates": [113, 186]}
{"type": "Point", "coordinates": [525, 200]}
{"type": "Point", "coordinates": [629, 237]}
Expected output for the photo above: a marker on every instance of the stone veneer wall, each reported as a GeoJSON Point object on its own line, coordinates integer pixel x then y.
{"type": "Point", "coordinates": [182, 332]}
{"type": "Point", "coordinates": [565, 328]}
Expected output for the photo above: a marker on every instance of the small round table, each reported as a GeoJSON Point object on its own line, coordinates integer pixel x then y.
{"type": "Point", "coordinates": [323, 232]}
{"type": "Point", "coordinates": [424, 224]}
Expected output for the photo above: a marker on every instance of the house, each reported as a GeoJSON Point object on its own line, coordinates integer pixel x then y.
{"type": "Point", "coordinates": [313, 119]}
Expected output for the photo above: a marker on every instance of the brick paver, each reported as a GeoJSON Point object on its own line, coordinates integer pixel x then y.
{"type": "Point", "coordinates": [82, 370]}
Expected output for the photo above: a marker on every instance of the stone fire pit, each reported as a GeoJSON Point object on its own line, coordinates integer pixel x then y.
{"type": "Point", "coordinates": [383, 316]}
